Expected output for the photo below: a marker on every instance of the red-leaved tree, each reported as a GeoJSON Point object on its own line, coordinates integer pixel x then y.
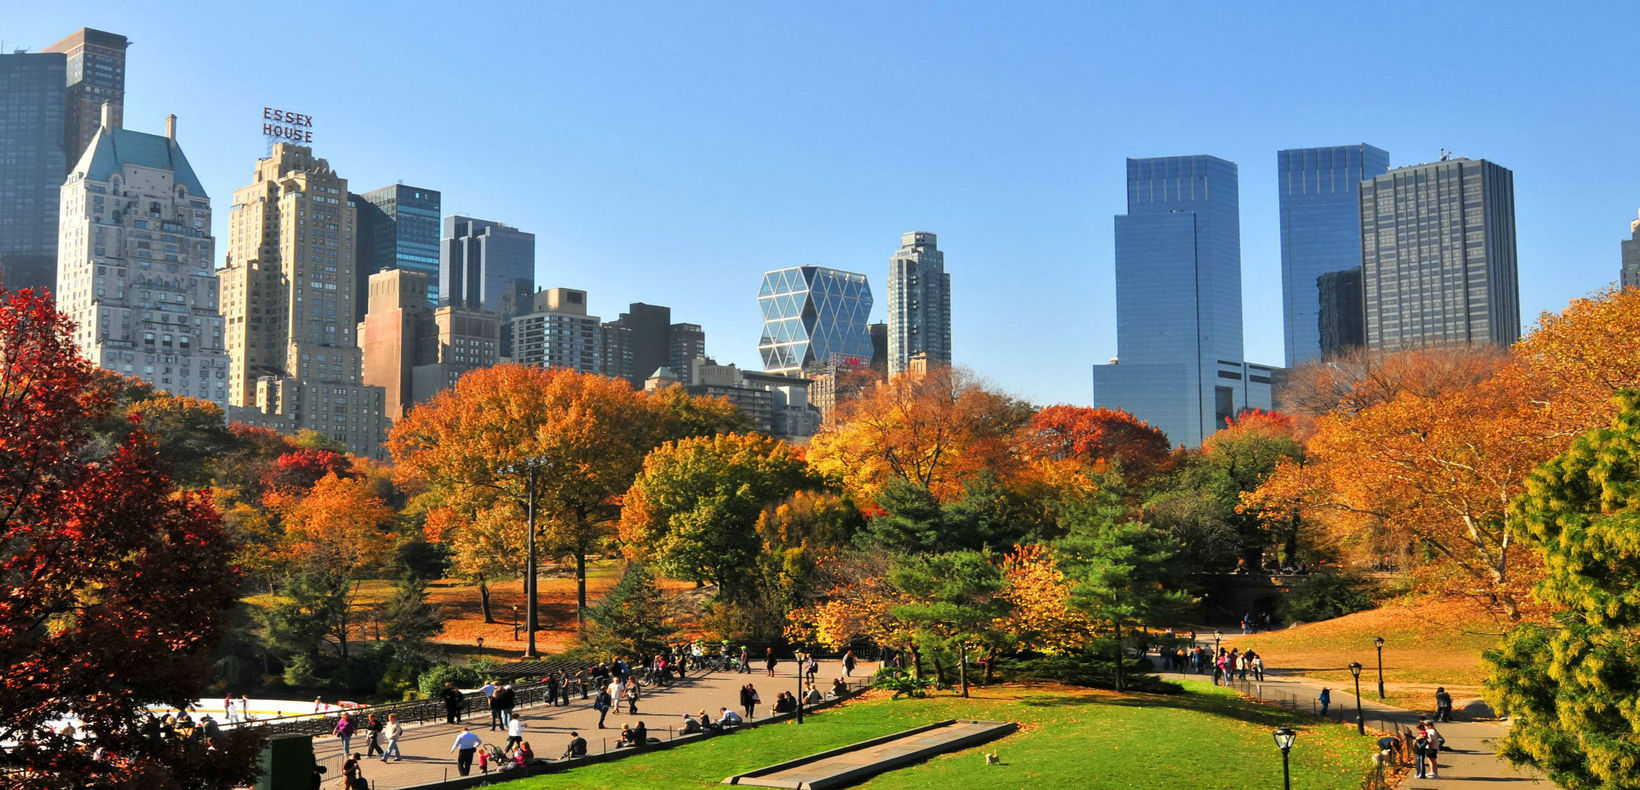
{"type": "Point", "coordinates": [113, 585]}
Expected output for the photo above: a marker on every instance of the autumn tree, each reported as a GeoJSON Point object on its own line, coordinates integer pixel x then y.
{"type": "Point", "coordinates": [799, 534]}
{"type": "Point", "coordinates": [932, 431]}
{"type": "Point", "coordinates": [116, 586]}
{"type": "Point", "coordinates": [953, 598]}
{"type": "Point", "coordinates": [1041, 613]}
{"type": "Point", "coordinates": [581, 437]}
{"type": "Point", "coordinates": [685, 416]}
{"type": "Point", "coordinates": [335, 532]}
{"type": "Point", "coordinates": [1099, 437]}
{"type": "Point", "coordinates": [632, 618]}
{"type": "Point", "coordinates": [486, 546]}
{"type": "Point", "coordinates": [1583, 354]}
{"type": "Point", "coordinates": [1361, 378]}
{"type": "Point", "coordinates": [1569, 686]}
{"type": "Point", "coordinates": [694, 509]}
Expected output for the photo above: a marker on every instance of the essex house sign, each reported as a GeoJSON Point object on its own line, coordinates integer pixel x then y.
{"type": "Point", "coordinates": [285, 125]}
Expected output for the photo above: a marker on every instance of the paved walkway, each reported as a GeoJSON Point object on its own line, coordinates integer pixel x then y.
{"type": "Point", "coordinates": [1470, 761]}
{"type": "Point", "coordinates": [852, 764]}
{"type": "Point", "coordinates": [426, 748]}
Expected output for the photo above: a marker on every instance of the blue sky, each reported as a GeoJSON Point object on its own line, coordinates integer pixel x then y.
{"type": "Point", "coordinates": [672, 152]}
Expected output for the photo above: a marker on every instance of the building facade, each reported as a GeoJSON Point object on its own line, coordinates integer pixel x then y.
{"type": "Point", "coordinates": [647, 329]}
{"type": "Point", "coordinates": [136, 264]}
{"type": "Point", "coordinates": [1179, 362]}
{"type": "Point", "coordinates": [398, 229]}
{"type": "Point", "coordinates": [684, 342]}
{"type": "Point", "coordinates": [1341, 315]}
{"type": "Point", "coordinates": [557, 332]}
{"type": "Point", "coordinates": [919, 303]}
{"type": "Point", "coordinates": [1438, 260]}
{"type": "Point", "coordinates": [485, 265]}
{"type": "Point", "coordinates": [31, 167]}
{"type": "Point", "coordinates": [1320, 231]}
{"type": "Point", "coordinates": [288, 301]}
{"type": "Point", "coordinates": [813, 314]}
{"type": "Point", "coordinates": [95, 77]}
{"type": "Point", "coordinates": [1630, 276]}
{"type": "Point", "coordinates": [413, 351]}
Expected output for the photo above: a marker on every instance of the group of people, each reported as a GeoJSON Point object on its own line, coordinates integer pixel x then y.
{"type": "Point", "coordinates": [1423, 745]}
{"type": "Point", "coordinates": [1229, 664]}
{"type": "Point", "coordinates": [469, 747]}
{"type": "Point", "coordinates": [375, 728]}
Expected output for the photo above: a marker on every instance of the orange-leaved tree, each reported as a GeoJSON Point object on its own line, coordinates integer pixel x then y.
{"type": "Point", "coordinates": [1584, 354]}
{"type": "Point", "coordinates": [1099, 437]}
{"type": "Point", "coordinates": [1041, 616]}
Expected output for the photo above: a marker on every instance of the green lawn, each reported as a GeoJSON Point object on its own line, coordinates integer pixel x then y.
{"type": "Point", "coordinates": [1204, 738]}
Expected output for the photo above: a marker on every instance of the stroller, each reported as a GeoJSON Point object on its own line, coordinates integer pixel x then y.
{"type": "Point", "coordinates": [497, 759]}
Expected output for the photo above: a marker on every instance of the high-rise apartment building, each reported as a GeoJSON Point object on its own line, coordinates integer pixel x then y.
{"type": "Point", "coordinates": [556, 332]}
{"type": "Point", "coordinates": [136, 263]}
{"type": "Point", "coordinates": [288, 304]}
{"type": "Point", "coordinates": [95, 77]}
{"type": "Point", "coordinates": [485, 265]}
{"type": "Point", "coordinates": [1320, 195]}
{"type": "Point", "coordinates": [648, 329]}
{"type": "Point", "coordinates": [813, 314]}
{"type": "Point", "coordinates": [413, 351]}
{"type": "Point", "coordinates": [1438, 255]}
{"type": "Point", "coordinates": [1630, 276]}
{"type": "Point", "coordinates": [1179, 363]}
{"type": "Point", "coordinates": [31, 167]}
{"type": "Point", "coordinates": [919, 303]}
{"type": "Point", "coordinates": [1339, 315]}
{"type": "Point", "coordinates": [398, 229]}
{"type": "Point", "coordinates": [684, 343]}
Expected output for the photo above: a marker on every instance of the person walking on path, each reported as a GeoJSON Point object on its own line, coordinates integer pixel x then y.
{"type": "Point", "coordinates": [769, 661]}
{"type": "Point", "coordinates": [374, 727]}
{"type": "Point", "coordinates": [632, 696]}
{"type": "Point", "coordinates": [352, 775]}
{"type": "Point", "coordinates": [344, 730]}
{"type": "Point", "coordinates": [1420, 754]}
{"type": "Point", "coordinates": [505, 700]}
{"type": "Point", "coordinates": [1435, 741]}
{"type": "Point", "coordinates": [617, 694]}
{"type": "Point", "coordinates": [452, 703]}
{"type": "Point", "coordinates": [1325, 700]}
{"type": "Point", "coordinates": [465, 746]}
{"type": "Point", "coordinates": [849, 663]}
{"type": "Point", "coordinates": [515, 732]}
{"type": "Point", "coordinates": [601, 704]}
{"type": "Point", "coordinates": [745, 660]}
{"type": "Point", "coordinates": [488, 690]}
{"type": "Point", "coordinates": [1443, 704]}
{"type": "Point", "coordinates": [749, 700]}
{"type": "Point", "coordinates": [394, 731]}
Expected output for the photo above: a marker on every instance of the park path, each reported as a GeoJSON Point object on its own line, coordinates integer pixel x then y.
{"type": "Point", "coordinates": [426, 748]}
{"type": "Point", "coordinates": [1469, 762]}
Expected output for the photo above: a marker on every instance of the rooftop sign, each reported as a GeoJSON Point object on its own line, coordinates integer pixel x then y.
{"type": "Point", "coordinates": [285, 125]}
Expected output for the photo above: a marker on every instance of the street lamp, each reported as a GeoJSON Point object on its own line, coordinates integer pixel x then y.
{"type": "Point", "coordinates": [481, 643]}
{"type": "Point", "coordinates": [515, 622]}
{"type": "Point", "coordinates": [1284, 741]}
{"type": "Point", "coordinates": [1216, 637]}
{"type": "Point", "coordinates": [1360, 721]}
{"type": "Point", "coordinates": [1380, 643]}
{"type": "Point", "coordinates": [797, 657]}
{"type": "Point", "coordinates": [531, 467]}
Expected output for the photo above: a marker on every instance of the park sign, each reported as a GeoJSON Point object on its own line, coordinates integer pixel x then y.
{"type": "Point", "coordinates": [286, 125]}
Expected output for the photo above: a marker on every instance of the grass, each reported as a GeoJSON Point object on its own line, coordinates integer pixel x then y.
{"type": "Point", "coordinates": [1427, 643]}
{"type": "Point", "coordinates": [1204, 738]}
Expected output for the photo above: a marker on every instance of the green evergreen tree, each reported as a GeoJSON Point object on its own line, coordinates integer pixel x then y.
{"type": "Point", "coordinates": [631, 620]}
{"type": "Point", "coordinates": [955, 599]}
{"type": "Point", "coordinates": [1573, 686]}
{"type": "Point", "coordinates": [312, 607]}
{"type": "Point", "coordinates": [410, 620]}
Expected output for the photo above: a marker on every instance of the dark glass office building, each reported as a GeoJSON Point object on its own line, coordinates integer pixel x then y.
{"type": "Point", "coordinates": [95, 75]}
{"type": "Point", "coordinates": [1438, 261]}
{"type": "Point", "coordinates": [398, 228]}
{"type": "Point", "coordinates": [31, 167]}
{"type": "Point", "coordinates": [1179, 362]}
{"type": "Point", "coordinates": [1320, 231]}
{"type": "Point", "coordinates": [485, 265]}
{"type": "Point", "coordinates": [1339, 313]}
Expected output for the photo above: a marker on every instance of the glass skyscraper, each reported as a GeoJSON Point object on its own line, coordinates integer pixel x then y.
{"type": "Point", "coordinates": [1179, 360]}
{"type": "Point", "coordinates": [1629, 277]}
{"type": "Point", "coordinates": [1438, 256]}
{"type": "Point", "coordinates": [398, 229]}
{"type": "Point", "coordinates": [813, 314]}
{"type": "Point", "coordinates": [485, 265]}
{"type": "Point", "coordinates": [31, 167]}
{"type": "Point", "coordinates": [1320, 232]}
{"type": "Point", "coordinates": [919, 303]}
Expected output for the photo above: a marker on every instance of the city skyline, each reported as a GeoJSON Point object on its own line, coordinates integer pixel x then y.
{"type": "Point", "coordinates": [686, 208]}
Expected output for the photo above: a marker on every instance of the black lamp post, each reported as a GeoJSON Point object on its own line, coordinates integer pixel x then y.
{"type": "Point", "coordinates": [1284, 741]}
{"type": "Point", "coordinates": [532, 468]}
{"type": "Point", "coordinates": [1360, 720]}
{"type": "Point", "coordinates": [797, 658]}
{"type": "Point", "coordinates": [1380, 643]}
{"type": "Point", "coordinates": [1216, 637]}
{"type": "Point", "coordinates": [515, 622]}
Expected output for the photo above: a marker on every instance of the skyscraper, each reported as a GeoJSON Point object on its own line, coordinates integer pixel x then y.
{"type": "Point", "coordinates": [685, 342]}
{"type": "Point", "coordinates": [1320, 231]}
{"type": "Point", "coordinates": [556, 332]}
{"type": "Point", "coordinates": [288, 305]}
{"type": "Point", "coordinates": [96, 76]}
{"type": "Point", "coordinates": [648, 333]}
{"type": "Point", "coordinates": [485, 265]}
{"type": "Point", "coordinates": [31, 167]}
{"type": "Point", "coordinates": [1630, 277]}
{"type": "Point", "coordinates": [813, 314]}
{"type": "Point", "coordinates": [413, 351]}
{"type": "Point", "coordinates": [1438, 255]}
{"type": "Point", "coordinates": [398, 229]}
{"type": "Point", "coordinates": [1179, 362]}
{"type": "Point", "coordinates": [919, 303]}
{"type": "Point", "coordinates": [136, 269]}
{"type": "Point", "coordinates": [1339, 312]}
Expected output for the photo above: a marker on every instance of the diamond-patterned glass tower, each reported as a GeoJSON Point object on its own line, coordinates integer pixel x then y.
{"type": "Point", "coordinates": [813, 314]}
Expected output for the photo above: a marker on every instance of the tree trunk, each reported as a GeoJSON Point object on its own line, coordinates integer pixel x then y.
{"type": "Point", "coordinates": [990, 663]}
{"type": "Point", "coordinates": [580, 592]}
{"type": "Point", "coordinates": [484, 600]}
{"type": "Point", "coordinates": [1118, 655]}
{"type": "Point", "coordinates": [916, 661]}
{"type": "Point", "coordinates": [962, 666]}
{"type": "Point", "coordinates": [939, 671]}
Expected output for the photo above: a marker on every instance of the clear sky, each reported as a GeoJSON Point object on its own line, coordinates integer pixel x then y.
{"type": "Point", "coordinates": [671, 152]}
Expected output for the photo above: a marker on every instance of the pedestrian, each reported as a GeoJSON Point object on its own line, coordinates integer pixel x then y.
{"type": "Point", "coordinates": [632, 696]}
{"type": "Point", "coordinates": [552, 688]}
{"type": "Point", "coordinates": [466, 744]}
{"type": "Point", "coordinates": [352, 775]}
{"type": "Point", "coordinates": [577, 746]}
{"type": "Point", "coordinates": [848, 664]}
{"type": "Point", "coordinates": [1258, 667]}
{"type": "Point", "coordinates": [515, 731]}
{"type": "Point", "coordinates": [745, 660]}
{"type": "Point", "coordinates": [1325, 699]}
{"type": "Point", "coordinates": [1435, 744]}
{"type": "Point", "coordinates": [749, 700]}
{"type": "Point", "coordinates": [602, 706]}
{"type": "Point", "coordinates": [483, 761]}
{"type": "Point", "coordinates": [769, 661]}
{"type": "Point", "coordinates": [453, 700]}
{"type": "Point", "coordinates": [1420, 755]}
{"type": "Point", "coordinates": [209, 727]}
{"type": "Point", "coordinates": [344, 730]}
{"type": "Point", "coordinates": [244, 708]}
{"type": "Point", "coordinates": [395, 731]}
{"type": "Point", "coordinates": [1443, 704]}
{"type": "Point", "coordinates": [374, 726]}
{"type": "Point", "coordinates": [617, 694]}
{"type": "Point", "coordinates": [488, 690]}
{"type": "Point", "coordinates": [505, 700]}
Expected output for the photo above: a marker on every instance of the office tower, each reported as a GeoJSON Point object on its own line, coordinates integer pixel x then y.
{"type": "Point", "coordinates": [813, 314]}
{"type": "Point", "coordinates": [919, 303]}
{"type": "Point", "coordinates": [1179, 362]}
{"type": "Point", "coordinates": [617, 345]}
{"type": "Point", "coordinates": [1340, 313]}
{"type": "Point", "coordinates": [136, 264]}
{"type": "Point", "coordinates": [556, 332]}
{"type": "Point", "coordinates": [31, 167]}
{"type": "Point", "coordinates": [288, 305]}
{"type": "Point", "coordinates": [485, 265]}
{"type": "Point", "coordinates": [413, 351]}
{"type": "Point", "coordinates": [648, 329]}
{"type": "Point", "coordinates": [398, 228]}
{"type": "Point", "coordinates": [1320, 231]}
{"type": "Point", "coordinates": [684, 342]}
{"type": "Point", "coordinates": [95, 76]}
{"type": "Point", "coordinates": [1630, 277]}
{"type": "Point", "coordinates": [1438, 255]}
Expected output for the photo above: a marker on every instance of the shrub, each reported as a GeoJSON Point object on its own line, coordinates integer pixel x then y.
{"type": "Point", "coordinates": [1323, 596]}
{"type": "Point", "coordinates": [901, 683]}
{"type": "Point", "coordinates": [432, 681]}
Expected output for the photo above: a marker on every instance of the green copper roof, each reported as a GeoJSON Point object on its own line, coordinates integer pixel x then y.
{"type": "Point", "coordinates": [112, 149]}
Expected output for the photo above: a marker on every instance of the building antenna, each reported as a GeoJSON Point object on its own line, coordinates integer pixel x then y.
{"type": "Point", "coordinates": [1445, 154]}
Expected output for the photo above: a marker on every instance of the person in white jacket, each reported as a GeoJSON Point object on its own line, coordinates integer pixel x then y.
{"type": "Point", "coordinates": [394, 730]}
{"type": "Point", "coordinates": [515, 733]}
